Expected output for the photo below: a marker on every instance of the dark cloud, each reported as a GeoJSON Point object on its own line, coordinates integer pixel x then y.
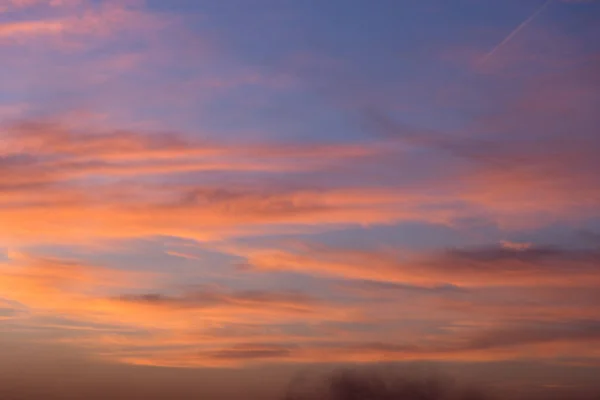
{"type": "Point", "coordinates": [530, 254]}
{"type": "Point", "coordinates": [212, 298]}
{"type": "Point", "coordinates": [8, 313]}
{"type": "Point", "coordinates": [540, 258]}
{"type": "Point", "coordinates": [510, 335]}
{"type": "Point", "coordinates": [440, 345]}
{"type": "Point", "coordinates": [491, 254]}
{"type": "Point", "coordinates": [442, 271]}
{"type": "Point", "coordinates": [379, 384]}
{"type": "Point", "coordinates": [415, 383]}
{"type": "Point", "coordinates": [253, 351]}
{"type": "Point", "coordinates": [469, 340]}
{"type": "Point", "coordinates": [381, 287]}
{"type": "Point", "coordinates": [536, 333]}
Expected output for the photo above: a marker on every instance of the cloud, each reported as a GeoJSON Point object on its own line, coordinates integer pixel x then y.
{"type": "Point", "coordinates": [507, 244]}
{"type": "Point", "coordinates": [544, 340]}
{"type": "Point", "coordinates": [536, 264]}
{"type": "Point", "coordinates": [58, 285]}
{"type": "Point", "coordinates": [188, 212]}
{"type": "Point", "coordinates": [64, 164]}
{"type": "Point", "coordinates": [56, 138]}
{"type": "Point", "coordinates": [76, 182]}
{"type": "Point", "coordinates": [30, 28]}
{"type": "Point", "coordinates": [8, 313]}
{"type": "Point", "coordinates": [79, 55]}
{"type": "Point", "coordinates": [509, 162]}
{"type": "Point", "coordinates": [71, 20]}
{"type": "Point", "coordinates": [127, 317]}
{"type": "Point", "coordinates": [15, 4]}
{"type": "Point", "coordinates": [254, 351]}
{"type": "Point", "coordinates": [540, 341]}
{"type": "Point", "coordinates": [486, 266]}
{"type": "Point", "coordinates": [257, 300]}
{"type": "Point", "coordinates": [191, 310]}
{"type": "Point", "coordinates": [73, 303]}
{"type": "Point", "coordinates": [547, 106]}
{"type": "Point", "coordinates": [533, 181]}
{"type": "Point", "coordinates": [77, 154]}
{"type": "Point", "coordinates": [514, 32]}
{"type": "Point", "coordinates": [576, 331]}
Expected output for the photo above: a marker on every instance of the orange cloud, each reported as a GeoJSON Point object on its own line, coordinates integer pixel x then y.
{"type": "Point", "coordinates": [123, 316]}
{"type": "Point", "coordinates": [8, 4]}
{"type": "Point", "coordinates": [88, 301]}
{"type": "Point", "coordinates": [473, 267]}
{"type": "Point", "coordinates": [502, 343]}
{"type": "Point", "coordinates": [73, 20]}
{"type": "Point", "coordinates": [30, 28]}
{"type": "Point", "coordinates": [507, 244]}
{"type": "Point", "coordinates": [55, 285]}
{"type": "Point", "coordinates": [68, 154]}
{"type": "Point", "coordinates": [510, 185]}
{"type": "Point", "coordinates": [121, 211]}
{"type": "Point", "coordinates": [51, 168]}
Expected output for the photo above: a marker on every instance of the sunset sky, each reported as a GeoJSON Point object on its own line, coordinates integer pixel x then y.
{"type": "Point", "coordinates": [206, 196]}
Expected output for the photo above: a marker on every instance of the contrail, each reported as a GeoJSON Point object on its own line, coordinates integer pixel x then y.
{"type": "Point", "coordinates": [514, 32]}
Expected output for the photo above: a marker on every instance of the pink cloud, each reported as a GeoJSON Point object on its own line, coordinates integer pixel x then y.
{"type": "Point", "coordinates": [494, 266]}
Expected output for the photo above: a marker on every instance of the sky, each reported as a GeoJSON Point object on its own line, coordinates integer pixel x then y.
{"type": "Point", "coordinates": [205, 197]}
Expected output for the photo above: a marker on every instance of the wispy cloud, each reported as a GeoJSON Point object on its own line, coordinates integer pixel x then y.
{"type": "Point", "coordinates": [514, 32]}
{"type": "Point", "coordinates": [470, 267]}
